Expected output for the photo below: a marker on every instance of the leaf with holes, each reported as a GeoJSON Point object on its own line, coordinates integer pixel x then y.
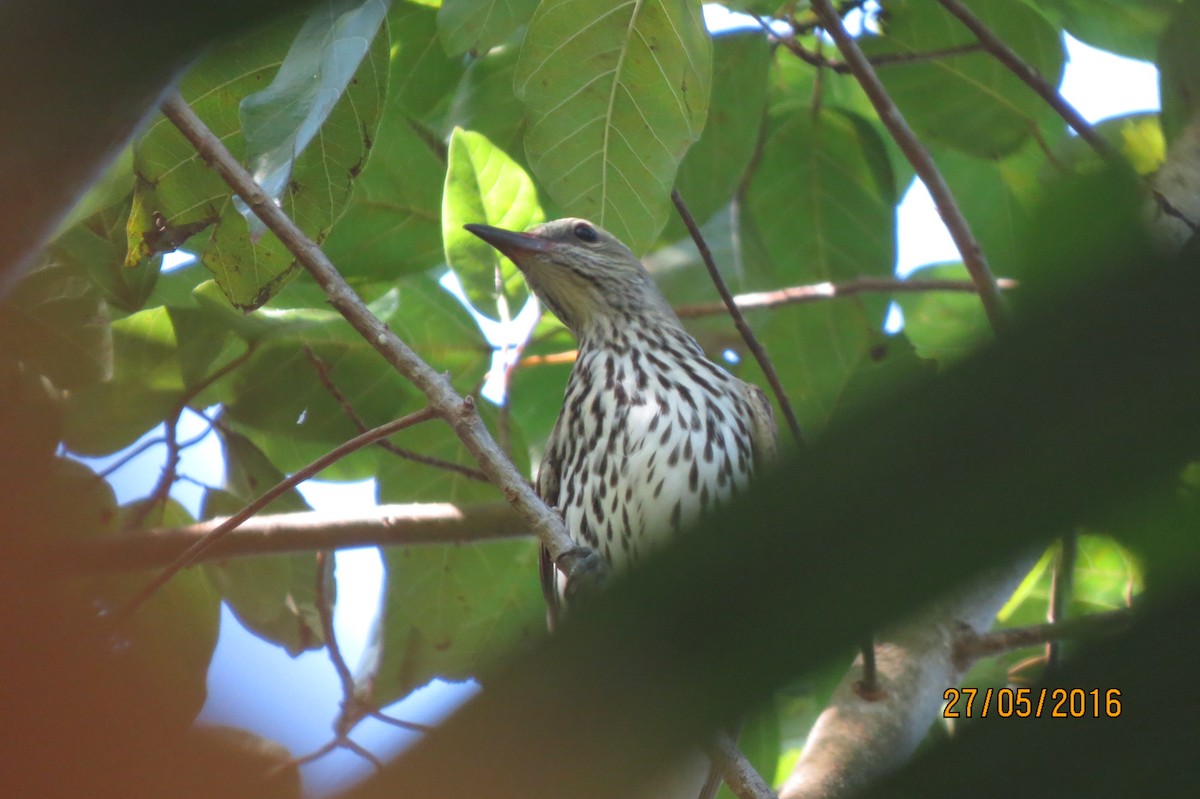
{"type": "Point", "coordinates": [617, 94]}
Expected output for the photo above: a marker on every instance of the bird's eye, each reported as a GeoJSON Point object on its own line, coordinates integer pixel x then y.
{"type": "Point", "coordinates": [586, 233]}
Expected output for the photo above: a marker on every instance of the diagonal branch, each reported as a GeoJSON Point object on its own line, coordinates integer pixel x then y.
{"type": "Point", "coordinates": [752, 342]}
{"type": "Point", "coordinates": [444, 401]}
{"type": "Point", "coordinates": [1030, 77]}
{"type": "Point", "coordinates": [322, 370]}
{"type": "Point", "coordinates": [922, 163]}
{"type": "Point", "coordinates": [188, 557]}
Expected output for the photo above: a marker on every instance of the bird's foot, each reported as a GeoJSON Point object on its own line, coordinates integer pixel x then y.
{"type": "Point", "coordinates": [585, 569]}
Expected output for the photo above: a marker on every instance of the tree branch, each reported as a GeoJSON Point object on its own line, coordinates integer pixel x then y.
{"type": "Point", "coordinates": [1030, 77]}
{"type": "Point", "coordinates": [858, 739]}
{"type": "Point", "coordinates": [739, 775]}
{"type": "Point", "coordinates": [793, 45]}
{"type": "Point", "coordinates": [443, 399]}
{"type": "Point", "coordinates": [187, 558]}
{"type": "Point", "coordinates": [922, 163]}
{"type": "Point", "coordinates": [970, 646]}
{"type": "Point", "coordinates": [739, 321]}
{"type": "Point", "coordinates": [322, 370]}
{"type": "Point", "coordinates": [289, 533]}
{"type": "Point", "coordinates": [817, 292]}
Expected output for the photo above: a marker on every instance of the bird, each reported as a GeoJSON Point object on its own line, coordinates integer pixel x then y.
{"type": "Point", "coordinates": [652, 434]}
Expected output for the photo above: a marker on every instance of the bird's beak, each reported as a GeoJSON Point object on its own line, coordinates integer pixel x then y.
{"type": "Point", "coordinates": [517, 246]}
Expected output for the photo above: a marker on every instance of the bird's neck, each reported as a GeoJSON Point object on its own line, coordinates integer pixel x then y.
{"type": "Point", "coordinates": [618, 333]}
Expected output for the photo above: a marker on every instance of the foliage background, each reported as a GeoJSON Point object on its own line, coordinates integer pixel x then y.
{"type": "Point", "coordinates": [452, 115]}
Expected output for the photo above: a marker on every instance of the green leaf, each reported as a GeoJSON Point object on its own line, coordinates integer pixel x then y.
{"type": "Point", "coordinates": [97, 247]}
{"type": "Point", "coordinates": [452, 611]}
{"type": "Point", "coordinates": [616, 94]}
{"type": "Point", "coordinates": [478, 25]}
{"type": "Point", "coordinates": [970, 102]}
{"type": "Point", "coordinates": [401, 480]}
{"type": "Point", "coordinates": [484, 185]}
{"type": "Point", "coordinates": [113, 186]}
{"type": "Point", "coordinates": [275, 597]}
{"type": "Point", "coordinates": [164, 649]}
{"type": "Point", "coordinates": [281, 120]}
{"type": "Point", "coordinates": [710, 172]}
{"type": "Point", "coordinates": [421, 76]}
{"type": "Point", "coordinates": [484, 102]}
{"type": "Point", "coordinates": [996, 196]}
{"type": "Point", "coordinates": [146, 384]}
{"type": "Point", "coordinates": [1126, 27]}
{"type": "Point", "coordinates": [822, 200]}
{"type": "Point", "coordinates": [176, 191]}
{"type": "Point", "coordinates": [820, 206]}
{"type": "Point", "coordinates": [944, 326]}
{"type": "Point", "coordinates": [56, 321]}
{"type": "Point", "coordinates": [1179, 70]}
{"type": "Point", "coordinates": [277, 397]}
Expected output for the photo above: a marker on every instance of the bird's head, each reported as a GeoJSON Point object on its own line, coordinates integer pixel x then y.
{"type": "Point", "coordinates": [583, 273]}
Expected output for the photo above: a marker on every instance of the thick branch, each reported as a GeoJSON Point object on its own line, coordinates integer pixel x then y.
{"type": "Point", "coordinates": [443, 399]}
{"type": "Point", "coordinates": [922, 163]}
{"type": "Point", "coordinates": [816, 292]}
{"type": "Point", "coordinates": [858, 739]}
{"type": "Point", "coordinates": [287, 533]}
{"type": "Point", "coordinates": [1030, 77]}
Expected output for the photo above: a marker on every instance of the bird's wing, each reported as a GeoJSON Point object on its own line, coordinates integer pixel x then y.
{"type": "Point", "coordinates": [547, 488]}
{"type": "Point", "coordinates": [764, 433]}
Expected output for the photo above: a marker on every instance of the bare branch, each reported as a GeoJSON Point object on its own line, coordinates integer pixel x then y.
{"type": "Point", "coordinates": [1030, 77]}
{"type": "Point", "coordinates": [170, 468]}
{"type": "Point", "coordinates": [739, 775]}
{"type": "Point", "coordinates": [354, 708]}
{"type": "Point", "coordinates": [288, 533]}
{"type": "Point", "coordinates": [970, 646]}
{"type": "Point", "coordinates": [819, 60]}
{"type": "Point", "coordinates": [817, 292]}
{"type": "Point", "coordinates": [443, 399]}
{"type": "Point", "coordinates": [760, 354]}
{"type": "Point", "coordinates": [322, 370]}
{"type": "Point", "coordinates": [922, 163]}
{"type": "Point", "coordinates": [337, 453]}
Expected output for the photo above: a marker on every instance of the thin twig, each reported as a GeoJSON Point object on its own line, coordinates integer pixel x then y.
{"type": "Point", "coordinates": [972, 646]}
{"type": "Point", "coordinates": [170, 468]}
{"type": "Point", "coordinates": [813, 58]}
{"type": "Point", "coordinates": [353, 706]}
{"type": "Point", "coordinates": [324, 605]}
{"type": "Point", "coordinates": [443, 399]}
{"type": "Point", "coordinates": [922, 163]}
{"type": "Point", "coordinates": [337, 453]}
{"type": "Point", "coordinates": [869, 685]}
{"type": "Point", "coordinates": [1060, 592]}
{"type": "Point", "coordinates": [1030, 77]}
{"type": "Point", "coordinates": [817, 292]}
{"type": "Point", "coordinates": [741, 777]}
{"type": "Point", "coordinates": [760, 354]}
{"type": "Point", "coordinates": [322, 370]}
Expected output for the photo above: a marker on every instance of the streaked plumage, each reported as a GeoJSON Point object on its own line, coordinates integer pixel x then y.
{"type": "Point", "coordinates": [651, 434]}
